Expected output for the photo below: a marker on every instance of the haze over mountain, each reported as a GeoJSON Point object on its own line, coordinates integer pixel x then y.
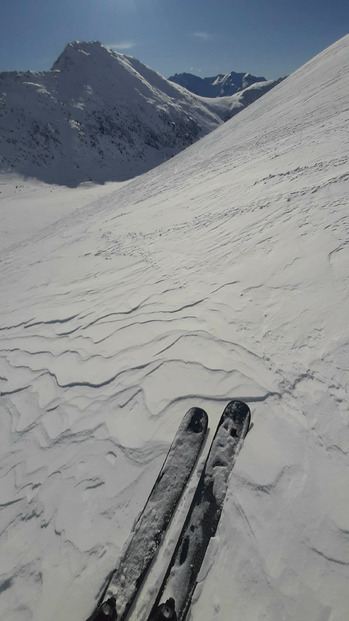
{"type": "Point", "coordinates": [100, 116]}
{"type": "Point", "coordinates": [221, 274]}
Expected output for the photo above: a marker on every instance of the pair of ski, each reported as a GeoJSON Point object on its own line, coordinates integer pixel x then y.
{"type": "Point", "coordinates": [175, 593]}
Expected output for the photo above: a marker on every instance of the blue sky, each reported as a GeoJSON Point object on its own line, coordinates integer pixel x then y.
{"type": "Point", "coordinates": [205, 37]}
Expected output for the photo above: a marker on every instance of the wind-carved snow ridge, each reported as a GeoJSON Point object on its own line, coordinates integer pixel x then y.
{"type": "Point", "coordinates": [220, 275]}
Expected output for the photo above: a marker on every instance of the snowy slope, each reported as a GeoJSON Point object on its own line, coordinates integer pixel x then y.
{"type": "Point", "coordinates": [221, 274]}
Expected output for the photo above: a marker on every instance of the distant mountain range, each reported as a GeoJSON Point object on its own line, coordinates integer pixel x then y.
{"type": "Point", "coordinates": [218, 86]}
{"type": "Point", "coordinates": [102, 116]}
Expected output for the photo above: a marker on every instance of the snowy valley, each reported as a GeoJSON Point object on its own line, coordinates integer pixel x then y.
{"type": "Point", "coordinates": [220, 274]}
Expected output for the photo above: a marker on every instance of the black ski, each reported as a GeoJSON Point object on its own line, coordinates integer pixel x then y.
{"type": "Point", "coordinates": [124, 583]}
{"type": "Point", "coordinates": [203, 516]}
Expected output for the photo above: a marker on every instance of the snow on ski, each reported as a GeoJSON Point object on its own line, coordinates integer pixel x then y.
{"type": "Point", "coordinates": [153, 521]}
{"type": "Point", "coordinates": [203, 516]}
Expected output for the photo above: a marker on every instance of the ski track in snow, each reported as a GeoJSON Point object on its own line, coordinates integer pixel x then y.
{"type": "Point", "coordinates": [221, 274]}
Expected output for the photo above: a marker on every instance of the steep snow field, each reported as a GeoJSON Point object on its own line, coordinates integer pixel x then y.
{"type": "Point", "coordinates": [221, 274]}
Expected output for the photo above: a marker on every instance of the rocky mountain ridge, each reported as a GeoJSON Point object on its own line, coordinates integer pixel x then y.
{"type": "Point", "coordinates": [221, 85]}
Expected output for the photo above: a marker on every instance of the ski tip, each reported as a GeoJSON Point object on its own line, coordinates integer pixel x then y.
{"type": "Point", "coordinates": [198, 420]}
{"type": "Point", "coordinates": [238, 411]}
{"type": "Point", "coordinates": [106, 611]}
{"type": "Point", "coordinates": [165, 612]}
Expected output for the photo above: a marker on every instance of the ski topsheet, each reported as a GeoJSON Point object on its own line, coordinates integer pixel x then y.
{"type": "Point", "coordinates": [157, 513]}
{"type": "Point", "coordinates": [203, 516]}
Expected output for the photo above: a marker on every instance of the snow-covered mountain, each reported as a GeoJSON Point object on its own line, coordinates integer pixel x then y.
{"type": "Point", "coordinates": [219, 85]}
{"type": "Point", "coordinates": [221, 274]}
{"type": "Point", "coordinates": [96, 115]}
{"type": "Point", "coordinates": [101, 116]}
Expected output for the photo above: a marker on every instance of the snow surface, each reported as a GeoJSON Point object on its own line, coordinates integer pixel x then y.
{"type": "Point", "coordinates": [28, 205]}
{"type": "Point", "coordinates": [221, 274]}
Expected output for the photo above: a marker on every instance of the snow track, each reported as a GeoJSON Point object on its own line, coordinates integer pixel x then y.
{"type": "Point", "coordinates": [221, 274]}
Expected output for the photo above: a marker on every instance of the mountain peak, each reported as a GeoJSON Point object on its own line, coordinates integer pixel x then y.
{"type": "Point", "coordinates": [78, 51]}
